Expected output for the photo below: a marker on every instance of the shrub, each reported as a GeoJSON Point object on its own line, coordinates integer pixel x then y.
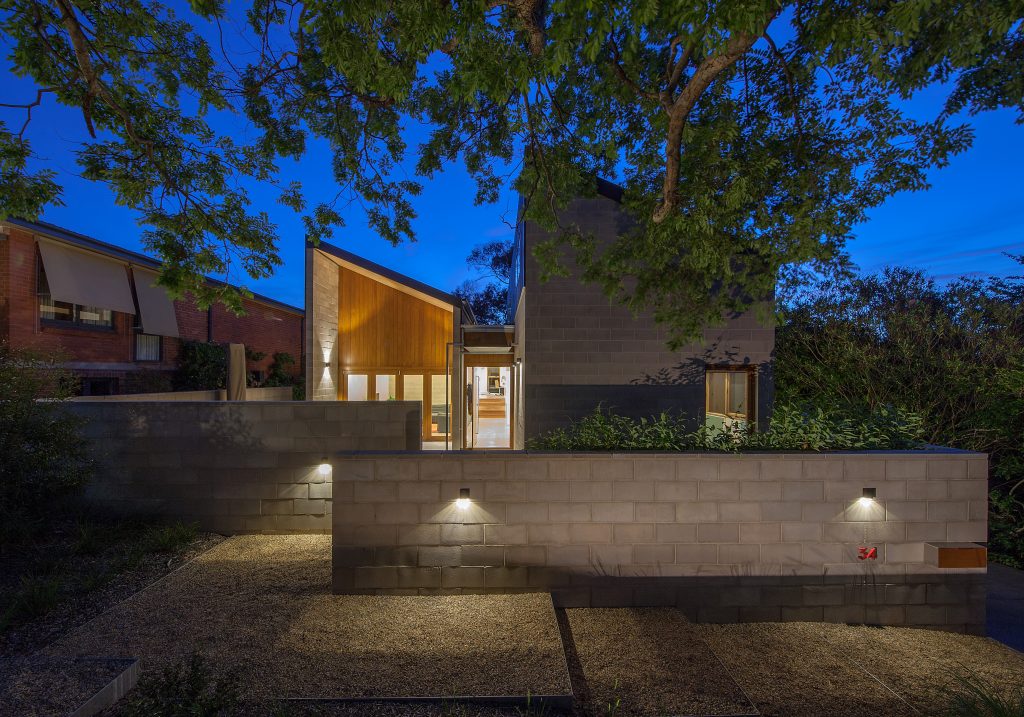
{"type": "Point", "coordinates": [951, 354]}
{"type": "Point", "coordinates": [44, 454]}
{"type": "Point", "coordinates": [201, 367]}
{"type": "Point", "coordinates": [792, 428]}
{"type": "Point", "coordinates": [277, 373]}
{"type": "Point", "coordinates": [170, 538]}
{"type": "Point", "coordinates": [186, 689]}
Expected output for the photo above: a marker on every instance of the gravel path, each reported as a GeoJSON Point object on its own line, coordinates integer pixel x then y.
{"type": "Point", "coordinates": [42, 687]}
{"type": "Point", "coordinates": [810, 669]}
{"type": "Point", "coordinates": [260, 606]}
{"type": "Point", "coordinates": [651, 661]}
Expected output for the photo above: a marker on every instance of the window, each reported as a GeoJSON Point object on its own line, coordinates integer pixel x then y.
{"type": "Point", "coordinates": [440, 407]}
{"type": "Point", "coordinates": [386, 387]}
{"type": "Point", "coordinates": [729, 396]}
{"type": "Point", "coordinates": [61, 312]}
{"type": "Point", "coordinates": [147, 347]}
{"type": "Point", "coordinates": [356, 387]}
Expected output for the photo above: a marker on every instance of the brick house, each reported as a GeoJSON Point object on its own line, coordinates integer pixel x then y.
{"type": "Point", "coordinates": [96, 305]}
{"type": "Point", "coordinates": [374, 334]}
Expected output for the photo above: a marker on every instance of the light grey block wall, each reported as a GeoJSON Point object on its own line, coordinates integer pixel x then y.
{"type": "Point", "coordinates": [581, 350]}
{"type": "Point", "coordinates": [321, 327]}
{"type": "Point", "coordinates": [768, 536]}
{"type": "Point", "coordinates": [234, 467]}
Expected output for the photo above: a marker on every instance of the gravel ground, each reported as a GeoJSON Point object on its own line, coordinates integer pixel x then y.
{"type": "Point", "coordinates": [259, 606]}
{"type": "Point", "coordinates": [42, 687]}
{"type": "Point", "coordinates": [80, 607]}
{"type": "Point", "coordinates": [810, 669]}
{"type": "Point", "coordinates": [653, 662]}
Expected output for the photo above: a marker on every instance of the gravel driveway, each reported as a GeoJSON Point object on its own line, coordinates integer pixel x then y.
{"type": "Point", "coordinates": [260, 606]}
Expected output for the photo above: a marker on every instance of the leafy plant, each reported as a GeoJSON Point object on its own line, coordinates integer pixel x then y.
{"type": "Point", "coordinates": [185, 689]}
{"type": "Point", "coordinates": [201, 367]}
{"type": "Point", "coordinates": [278, 373]}
{"type": "Point", "coordinates": [170, 538]}
{"type": "Point", "coordinates": [36, 596]}
{"type": "Point", "coordinates": [977, 697]}
{"type": "Point", "coordinates": [792, 428]}
{"type": "Point", "coordinates": [45, 456]}
{"type": "Point", "coordinates": [952, 356]}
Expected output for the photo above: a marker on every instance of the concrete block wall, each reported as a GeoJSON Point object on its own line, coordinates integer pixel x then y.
{"type": "Point", "coordinates": [322, 374]}
{"type": "Point", "coordinates": [581, 350]}
{"type": "Point", "coordinates": [234, 467]}
{"type": "Point", "coordinates": [726, 537]}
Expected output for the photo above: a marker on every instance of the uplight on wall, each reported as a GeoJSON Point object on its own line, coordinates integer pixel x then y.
{"type": "Point", "coordinates": [463, 501]}
{"type": "Point", "coordinates": [867, 497]}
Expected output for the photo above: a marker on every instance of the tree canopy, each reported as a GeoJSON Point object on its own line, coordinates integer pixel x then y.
{"type": "Point", "coordinates": [750, 136]}
{"type": "Point", "coordinates": [487, 293]}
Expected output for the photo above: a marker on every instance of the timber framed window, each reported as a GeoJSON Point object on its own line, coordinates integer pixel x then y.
{"type": "Point", "coordinates": [730, 396]}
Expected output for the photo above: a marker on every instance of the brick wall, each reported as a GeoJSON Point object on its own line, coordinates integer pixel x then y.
{"type": "Point", "coordinates": [765, 537]}
{"type": "Point", "coordinates": [100, 352]}
{"type": "Point", "coordinates": [581, 350]}
{"type": "Point", "coordinates": [263, 328]}
{"type": "Point", "coordinates": [234, 467]}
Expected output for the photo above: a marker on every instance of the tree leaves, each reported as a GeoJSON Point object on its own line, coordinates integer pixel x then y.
{"type": "Point", "coordinates": [750, 136]}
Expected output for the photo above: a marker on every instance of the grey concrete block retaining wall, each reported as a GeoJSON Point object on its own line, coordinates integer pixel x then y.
{"type": "Point", "coordinates": [725, 537]}
{"type": "Point", "coordinates": [234, 467]}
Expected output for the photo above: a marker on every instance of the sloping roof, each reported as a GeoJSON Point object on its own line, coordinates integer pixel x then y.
{"type": "Point", "coordinates": [127, 255]}
{"type": "Point", "coordinates": [609, 190]}
{"type": "Point", "coordinates": [390, 274]}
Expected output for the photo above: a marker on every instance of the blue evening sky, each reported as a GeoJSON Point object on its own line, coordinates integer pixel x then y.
{"type": "Point", "coordinates": [961, 226]}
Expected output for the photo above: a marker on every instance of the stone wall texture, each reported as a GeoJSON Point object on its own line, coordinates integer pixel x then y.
{"type": "Point", "coordinates": [234, 467]}
{"type": "Point", "coordinates": [322, 373]}
{"type": "Point", "coordinates": [725, 537]}
{"type": "Point", "coordinates": [580, 350]}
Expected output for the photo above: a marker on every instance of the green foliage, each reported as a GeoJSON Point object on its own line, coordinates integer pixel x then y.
{"type": "Point", "coordinates": [170, 538]}
{"type": "Point", "coordinates": [278, 373]}
{"type": "Point", "coordinates": [45, 457]}
{"type": "Point", "coordinates": [185, 689]}
{"type": "Point", "coordinates": [953, 356]}
{"type": "Point", "coordinates": [487, 294]}
{"type": "Point", "coordinates": [201, 367]}
{"type": "Point", "coordinates": [792, 429]}
{"type": "Point", "coordinates": [35, 597]}
{"type": "Point", "coordinates": [977, 697]}
{"type": "Point", "coordinates": [1006, 527]}
{"type": "Point", "coordinates": [740, 157]}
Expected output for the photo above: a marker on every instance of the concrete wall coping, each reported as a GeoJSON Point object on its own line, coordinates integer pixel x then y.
{"type": "Point", "coordinates": [925, 452]}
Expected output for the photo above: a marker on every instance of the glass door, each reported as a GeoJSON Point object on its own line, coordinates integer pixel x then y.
{"type": "Point", "coordinates": [489, 407]}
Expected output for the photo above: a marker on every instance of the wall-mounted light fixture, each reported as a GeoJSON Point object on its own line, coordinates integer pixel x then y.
{"type": "Point", "coordinates": [324, 469]}
{"type": "Point", "coordinates": [463, 502]}
{"type": "Point", "coordinates": [867, 496]}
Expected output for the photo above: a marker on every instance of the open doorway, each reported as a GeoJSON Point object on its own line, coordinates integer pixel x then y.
{"type": "Point", "coordinates": [489, 407]}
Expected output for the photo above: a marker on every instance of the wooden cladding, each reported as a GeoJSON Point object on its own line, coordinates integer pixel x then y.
{"type": "Point", "coordinates": [381, 326]}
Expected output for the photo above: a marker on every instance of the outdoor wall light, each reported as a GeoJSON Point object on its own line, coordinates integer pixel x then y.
{"type": "Point", "coordinates": [867, 497]}
{"type": "Point", "coordinates": [463, 502]}
{"type": "Point", "coordinates": [324, 468]}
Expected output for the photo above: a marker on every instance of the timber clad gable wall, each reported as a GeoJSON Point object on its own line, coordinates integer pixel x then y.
{"type": "Point", "coordinates": [381, 326]}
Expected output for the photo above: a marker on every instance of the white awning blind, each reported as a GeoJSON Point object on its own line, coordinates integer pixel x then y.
{"type": "Point", "coordinates": [156, 306]}
{"type": "Point", "coordinates": [82, 277]}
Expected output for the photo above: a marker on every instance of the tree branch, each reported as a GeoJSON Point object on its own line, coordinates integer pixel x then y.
{"type": "Point", "coordinates": [28, 107]}
{"type": "Point", "coordinates": [679, 112]}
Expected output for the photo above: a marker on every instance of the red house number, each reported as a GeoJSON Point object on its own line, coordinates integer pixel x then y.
{"type": "Point", "coordinates": [864, 553]}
